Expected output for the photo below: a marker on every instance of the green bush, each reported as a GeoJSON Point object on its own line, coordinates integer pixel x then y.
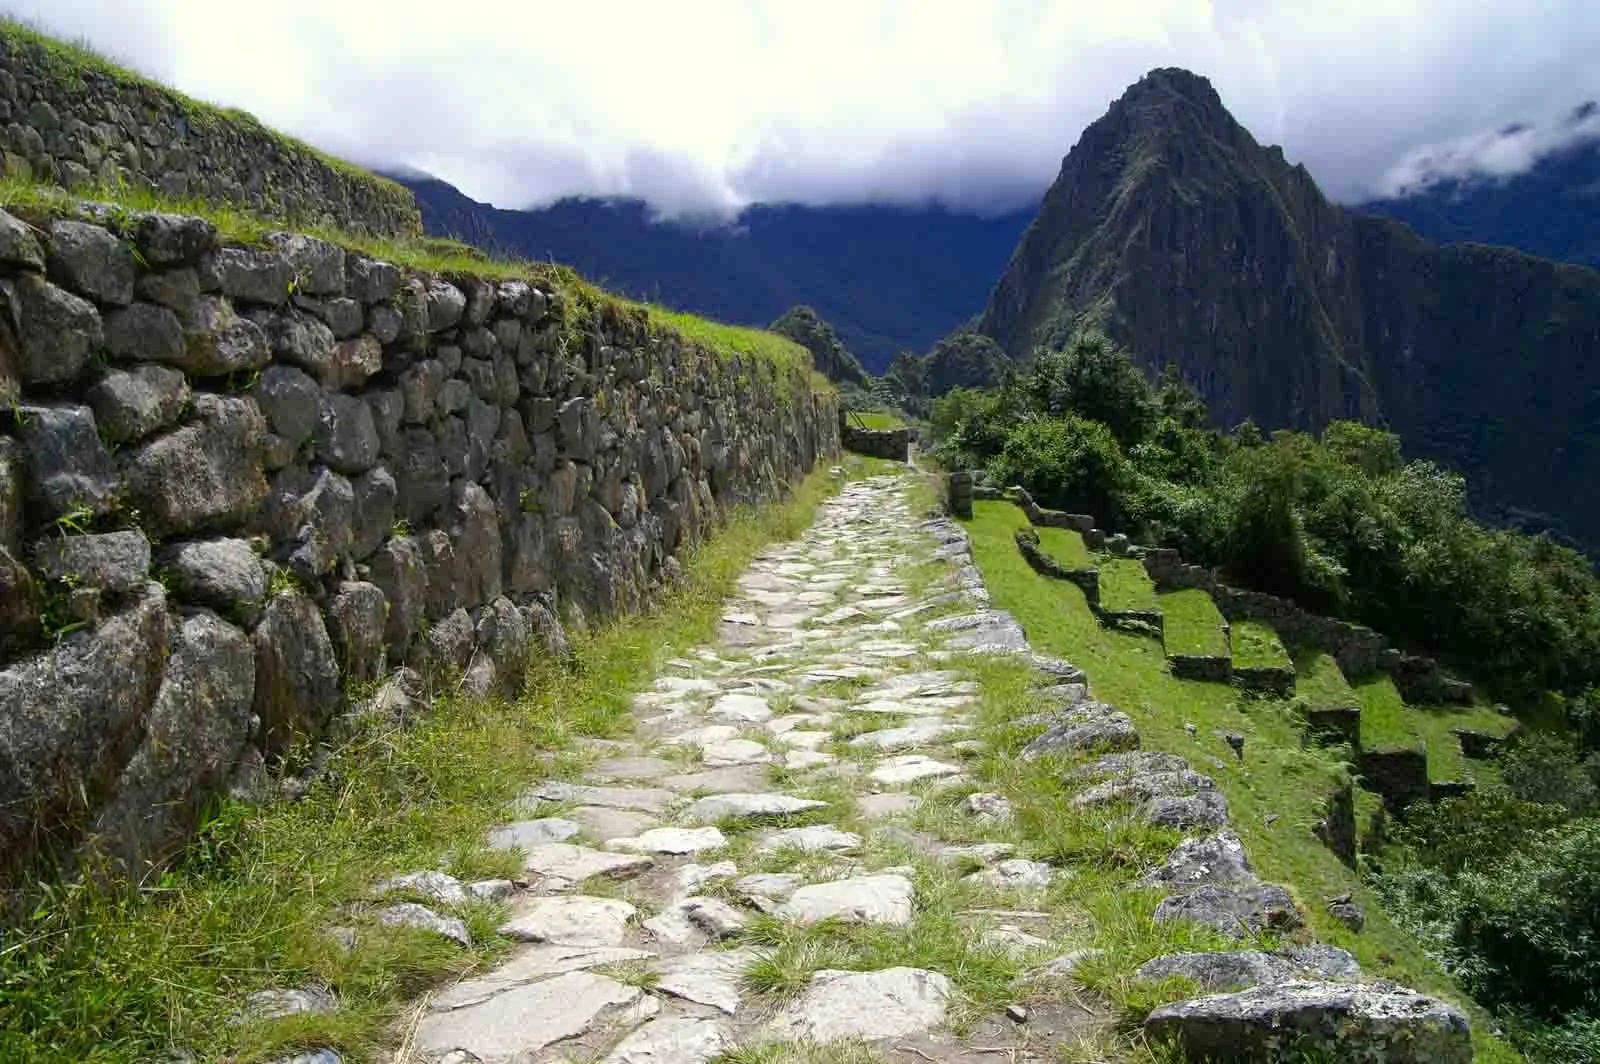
{"type": "Point", "coordinates": [1067, 462]}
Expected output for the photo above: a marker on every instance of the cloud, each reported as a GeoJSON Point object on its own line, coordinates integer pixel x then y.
{"type": "Point", "coordinates": [703, 106]}
{"type": "Point", "coordinates": [1493, 155]}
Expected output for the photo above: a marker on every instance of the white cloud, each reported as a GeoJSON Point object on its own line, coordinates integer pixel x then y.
{"type": "Point", "coordinates": [1493, 154]}
{"type": "Point", "coordinates": [704, 105]}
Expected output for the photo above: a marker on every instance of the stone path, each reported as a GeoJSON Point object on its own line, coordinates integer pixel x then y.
{"type": "Point", "coordinates": [786, 780]}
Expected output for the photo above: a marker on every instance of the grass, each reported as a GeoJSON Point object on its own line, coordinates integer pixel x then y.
{"type": "Point", "coordinates": [1124, 585]}
{"type": "Point", "coordinates": [1256, 645]}
{"type": "Point", "coordinates": [1066, 546]}
{"type": "Point", "coordinates": [876, 419]}
{"type": "Point", "coordinates": [1445, 759]}
{"type": "Point", "coordinates": [102, 975]}
{"type": "Point", "coordinates": [1192, 623]}
{"type": "Point", "coordinates": [1385, 724]}
{"type": "Point", "coordinates": [1276, 777]}
{"type": "Point", "coordinates": [68, 62]}
{"type": "Point", "coordinates": [1319, 680]}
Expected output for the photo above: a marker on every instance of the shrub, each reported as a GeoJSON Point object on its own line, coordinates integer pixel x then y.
{"type": "Point", "coordinates": [1067, 462]}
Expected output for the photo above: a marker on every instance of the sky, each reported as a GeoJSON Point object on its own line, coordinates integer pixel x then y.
{"type": "Point", "coordinates": [702, 107]}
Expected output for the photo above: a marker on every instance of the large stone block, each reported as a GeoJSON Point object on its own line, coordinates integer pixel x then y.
{"type": "Point", "coordinates": [131, 404]}
{"type": "Point", "coordinates": [356, 618]}
{"type": "Point", "coordinates": [72, 720]}
{"type": "Point", "coordinates": [475, 536]}
{"type": "Point", "coordinates": [58, 333]}
{"type": "Point", "coordinates": [297, 675]}
{"type": "Point", "coordinates": [205, 475]}
{"type": "Point", "coordinates": [291, 402]}
{"type": "Point", "coordinates": [224, 574]}
{"type": "Point", "coordinates": [217, 341]}
{"type": "Point", "coordinates": [317, 267]}
{"type": "Point", "coordinates": [397, 569]}
{"type": "Point", "coordinates": [347, 435]}
{"type": "Point", "coordinates": [115, 562]}
{"type": "Point", "coordinates": [92, 261]}
{"type": "Point", "coordinates": [68, 466]}
{"type": "Point", "coordinates": [193, 736]}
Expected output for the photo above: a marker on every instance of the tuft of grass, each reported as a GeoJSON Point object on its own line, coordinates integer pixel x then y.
{"type": "Point", "coordinates": [1385, 724]}
{"type": "Point", "coordinates": [1319, 680]}
{"type": "Point", "coordinates": [116, 973]}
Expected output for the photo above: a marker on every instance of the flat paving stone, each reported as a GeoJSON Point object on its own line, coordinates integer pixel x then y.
{"type": "Point", "coordinates": [574, 920]}
{"type": "Point", "coordinates": [598, 822]}
{"type": "Point", "coordinates": [641, 799]}
{"type": "Point", "coordinates": [563, 860]}
{"type": "Point", "coordinates": [522, 1021]}
{"type": "Point", "coordinates": [714, 977]}
{"type": "Point", "coordinates": [672, 1040]}
{"type": "Point", "coordinates": [741, 709]}
{"type": "Point", "coordinates": [532, 963]}
{"type": "Point", "coordinates": [911, 735]}
{"type": "Point", "coordinates": [818, 838]}
{"type": "Point", "coordinates": [909, 768]}
{"type": "Point", "coordinates": [676, 841]}
{"type": "Point", "coordinates": [526, 833]}
{"type": "Point", "coordinates": [632, 768]}
{"type": "Point", "coordinates": [890, 1003]}
{"type": "Point", "coordinates": [747, 806]}
{"type": "Point", "coordinates": [802, 760]}
{"type": "Point", "coordinates": [875, 899]}
{"type": "Point", "coordinates": [734, 779]}
{"type": "Point", "coordinates": [1016, 874]}
{"type": "Point", "coordinates": [734, 752]}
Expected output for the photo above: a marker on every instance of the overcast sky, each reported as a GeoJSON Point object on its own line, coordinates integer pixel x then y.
{"type": "Point", "coordinates": [705, 106]}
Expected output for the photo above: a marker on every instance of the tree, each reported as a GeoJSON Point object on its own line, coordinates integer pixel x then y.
{"type": "Point", "coordinates": [1095, 379]}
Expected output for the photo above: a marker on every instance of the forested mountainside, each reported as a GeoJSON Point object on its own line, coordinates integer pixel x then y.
{"type": "Point", "coordinates": [889, 279]}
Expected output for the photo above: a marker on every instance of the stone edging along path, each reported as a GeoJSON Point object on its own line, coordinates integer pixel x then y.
{"type": "Point", "coordinates": [761, 862]}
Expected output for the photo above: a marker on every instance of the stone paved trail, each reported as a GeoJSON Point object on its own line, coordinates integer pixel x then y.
{"type": "Point", "coordinates": [788, 775]}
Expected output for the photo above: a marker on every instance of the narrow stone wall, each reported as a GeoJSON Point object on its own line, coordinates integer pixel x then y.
{"type": "Point", "coordinates": [891, 444]}
{"type": "Point", "coordinates": [235, 481]}
{"type": "Point", "coordinates": [69, 121]}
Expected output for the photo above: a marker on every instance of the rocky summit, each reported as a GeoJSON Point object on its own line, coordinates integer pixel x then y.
{"type": "Point", "coordinates": [670, 894]}
{"type": "Point", "coordinates": [1170, 228]}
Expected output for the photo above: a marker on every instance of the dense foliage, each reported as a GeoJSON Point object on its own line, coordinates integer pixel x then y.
{"type": "Point", "coordinates": [828, 353]}
{"type": "Point", "coordinates": [1340, 522]}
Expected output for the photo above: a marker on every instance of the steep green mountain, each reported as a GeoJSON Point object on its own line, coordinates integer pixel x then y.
{"type": "Point", "coordinates": [1173, 231]}
{"type": "Point", "coordinates": [828, 353]}
{"type": "Point", "coordinates": [890, 279]}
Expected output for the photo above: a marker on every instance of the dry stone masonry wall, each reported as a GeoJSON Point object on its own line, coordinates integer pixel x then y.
{"type": "Point", "coordinates": [69, 122]}
{"type": "Point", "coordinates": [235, 481]}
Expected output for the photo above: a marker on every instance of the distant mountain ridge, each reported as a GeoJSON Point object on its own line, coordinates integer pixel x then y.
{"type": "Point", "coordinates": [1552, 209]}
{"type": "Point", "coordinates": [889, 279]}
{"type": "Point", "coordinates": [1174, 231]}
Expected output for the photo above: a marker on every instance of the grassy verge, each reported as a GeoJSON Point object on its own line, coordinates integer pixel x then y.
{"type": "Point", "coordinates": [1276, 779]}
{"type": "Point", "coordinates": [877, 419]}
{"type": "Point", "coordinates": [1066, 546]}
{"type": "Point", "coordinates": [1319, 680]}
{"type": "Point", "coordinates": [102, 976]}
{"type": "Point", "coordinates": [1256, 645]}
{"type": "Point", "coordinates": [1385, 724]}
{"type": "Point", "coordinates": [1192, 623]}
{"type": "Point", "coordinates": [1124, 585]}
{"type": "Point", "coordinates": [1445, 759]}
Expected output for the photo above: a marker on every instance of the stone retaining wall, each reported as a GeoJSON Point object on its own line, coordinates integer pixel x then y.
{"type": "Point", "coordinates": [234, 481]}
{"type": "Point", "coordinates": [891, 444]}
{"type": "Point", "coordinates": [75, 123]}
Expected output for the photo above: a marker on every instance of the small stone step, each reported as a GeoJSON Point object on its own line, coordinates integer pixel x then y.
{"type": "Point", "coordinates": [533, 963]}
{"type": "Point", "coordinates": [1250, 967]}
{"type": "Point", "coordinates": [905, 738]}
{"type": "Point", "coordinates": [819, 838]}
{"type": "Point", "coordinates": [1016, 874]}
